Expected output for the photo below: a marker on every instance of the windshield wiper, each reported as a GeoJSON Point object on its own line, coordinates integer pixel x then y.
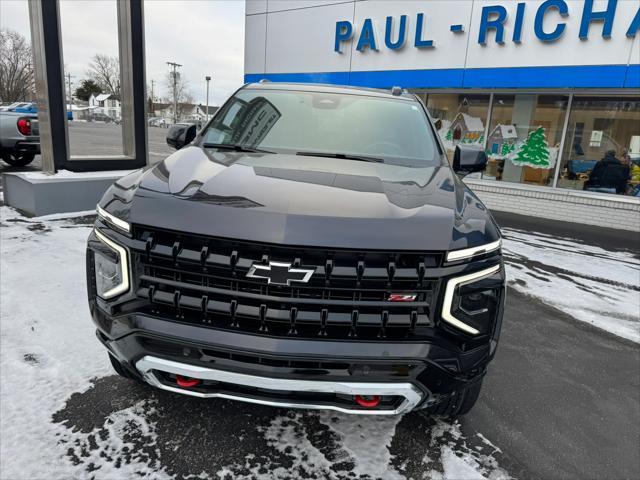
{"type": "Point", "coordinates": [345, 156]}
{"type": "Point", "coordinates": [236, 147]}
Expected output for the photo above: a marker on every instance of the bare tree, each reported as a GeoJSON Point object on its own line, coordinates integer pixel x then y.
{"type": "Point", "coordinates": [105, 71]}
{"type": "Point", "coordinates": [179, 92]}
{"type": "Point", "coordinates": [16, 67]}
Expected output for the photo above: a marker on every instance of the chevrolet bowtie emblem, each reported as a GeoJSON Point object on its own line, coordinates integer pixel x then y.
{"type": "Point", "coordinates": [280, 273]}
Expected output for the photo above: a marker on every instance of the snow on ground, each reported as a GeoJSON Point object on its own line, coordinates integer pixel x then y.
{"type": "Point", "coordinates": [587, 282]}
{"type": "Point", "coordinates": [360, 447]}
{"type": "Point", "coordinates": [50, 360]}
{"type": "Point", "coordinates": [48, 345]}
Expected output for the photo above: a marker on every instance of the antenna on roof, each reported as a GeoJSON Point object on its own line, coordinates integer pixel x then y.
{"type": "Point", "coordinates": [396, 91]}
{"type": "Point", "coordinates": [264, 80]}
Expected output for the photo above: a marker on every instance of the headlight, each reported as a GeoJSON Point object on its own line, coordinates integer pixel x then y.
{"type": "Point", "coordinates": [471, 301]}
{"type": "Point", "coordinates": [112, 219]}
{"type": "Point", "coordinates": [471, 252]}
{"type": "Point", "coordinates": [111, 267]}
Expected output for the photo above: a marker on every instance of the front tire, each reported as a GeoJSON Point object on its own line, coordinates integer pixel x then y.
{"type": "Point", "coordinates": [18, 159]}
{"type": "Point", "coordinates": [458, 403]}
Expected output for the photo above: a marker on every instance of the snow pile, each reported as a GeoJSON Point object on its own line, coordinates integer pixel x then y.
{"type": "Point", "coordinates": [587, 282]}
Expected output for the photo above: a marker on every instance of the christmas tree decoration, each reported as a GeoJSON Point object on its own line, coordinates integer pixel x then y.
{"type": "Point", "coordinates": [534, 152]}
{"type": "Point", "coordinates": [507, 148]}
{"type": "Point", "coordinates": [449, 135]}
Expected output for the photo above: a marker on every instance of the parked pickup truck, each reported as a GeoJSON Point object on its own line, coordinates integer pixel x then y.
{"type": "Point", "coordinates": [19, 138]}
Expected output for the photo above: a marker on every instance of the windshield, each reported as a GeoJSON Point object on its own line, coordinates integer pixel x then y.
{"type": "Point", "coordinates": [325, 125]}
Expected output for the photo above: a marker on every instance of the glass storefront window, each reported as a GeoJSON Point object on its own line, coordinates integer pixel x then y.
{"type": "Point", "coordinates": [524, 137]}
{"type": "Point", "coordinates": [459, 118]}
{"type": "Point", "coordinates": [602, 146]}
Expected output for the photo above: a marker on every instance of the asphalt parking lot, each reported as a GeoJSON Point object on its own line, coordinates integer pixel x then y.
{"type": "Point", "coordinates": [98, 138]}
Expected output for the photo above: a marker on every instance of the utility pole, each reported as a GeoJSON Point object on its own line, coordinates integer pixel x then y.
{"type": "Point", "coordinates": [208, 79]}
{"type": "Point", "coordinates": [174, 78]}
{"type": "Point", "coordinates": [68, 75]}
{"type": "Point", "coordinates": [153, 101]}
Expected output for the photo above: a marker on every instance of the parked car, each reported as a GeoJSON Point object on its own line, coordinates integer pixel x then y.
{"type": "Point", "coordinates": [310, 248]}
{"type": "Point", "coordinates": [157, 122]}
{"type": "Point", "coordinates": [19, 138]}
{"type": "Point", "coordinates": [101, 117]}
{"type": "Point", "coordinates": [32, 107]}
{"type": "Point", "coordinates": [14, 105]}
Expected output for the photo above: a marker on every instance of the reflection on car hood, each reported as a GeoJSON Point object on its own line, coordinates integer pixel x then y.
{"type": "Point", "coordinates": [298, 200]}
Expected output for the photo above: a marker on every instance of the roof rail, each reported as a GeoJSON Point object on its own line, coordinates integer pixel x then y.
{"type": "Point", "coordinates": [396, 91]}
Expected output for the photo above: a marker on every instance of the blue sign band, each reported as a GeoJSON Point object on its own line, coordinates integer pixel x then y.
{"type": "Point", "coordinates": [583, 76]}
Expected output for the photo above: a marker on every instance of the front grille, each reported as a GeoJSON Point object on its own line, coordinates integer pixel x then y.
{"type": "Point", "coordinates": [203, 280]}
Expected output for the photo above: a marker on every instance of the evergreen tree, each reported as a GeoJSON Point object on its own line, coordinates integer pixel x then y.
{"type": "Point", "coordinates": [449, 135]}
{"type": "Point", "coordinates": [535, 151]}
{"type": "Point", "coordinates": [86, 89]}
{"type": "Point", "coordinates": [507, 149]}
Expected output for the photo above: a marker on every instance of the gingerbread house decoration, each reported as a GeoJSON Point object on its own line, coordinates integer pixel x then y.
{"type": "Point", "coordinates": [466, 129]}
{"type": "Point", "coordinates": [502, 139]}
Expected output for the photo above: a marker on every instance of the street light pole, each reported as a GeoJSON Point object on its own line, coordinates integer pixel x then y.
{"type": "Point", "coordinates": [174, 77]}
{"type": "Point", "coordinates": [69, 76]}
{"type": "Point", "coordinates": [208, 79]}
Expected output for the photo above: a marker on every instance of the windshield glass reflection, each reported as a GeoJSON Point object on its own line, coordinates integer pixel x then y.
{"type": "Point", "coordinates": [325, 125]}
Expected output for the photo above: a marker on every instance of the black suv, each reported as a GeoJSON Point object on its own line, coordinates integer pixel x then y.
{"type": "Point", "coordinates": [311, 247]}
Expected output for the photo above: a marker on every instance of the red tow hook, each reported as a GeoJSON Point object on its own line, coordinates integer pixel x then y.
{"type": "Point", "coordinates": [367, 401]}
{"type": "Point", "coordinates": [186, 382]}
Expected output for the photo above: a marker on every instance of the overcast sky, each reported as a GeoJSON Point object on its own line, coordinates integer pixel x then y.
{"type": "Point", "coordinates": [206, 37]}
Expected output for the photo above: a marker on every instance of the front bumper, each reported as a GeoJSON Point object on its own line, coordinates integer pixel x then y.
{"type": "Point", "coordinates": [289, 373]}
{"type": "Point", "coordinates": [409, 396]}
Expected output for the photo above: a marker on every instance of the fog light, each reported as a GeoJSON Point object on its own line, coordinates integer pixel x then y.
{"type": "Point", "coordinates": [476, 303]}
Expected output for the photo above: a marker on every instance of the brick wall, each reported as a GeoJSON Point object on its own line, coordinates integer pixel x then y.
{"type": "Point", "coordinates": [588, 208]}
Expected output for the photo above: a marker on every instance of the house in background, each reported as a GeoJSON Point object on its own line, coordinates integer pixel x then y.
{"type": "Point", "coordinates": [107, 104]}
{"type": "Point", "coordinates": [502, 140]}
{"type": "Point", "coordinates": [466, 129]}
{"type": "Point", "coordinates": [187, 112]}
{"type": "Point", "coordinates": [212, 110]}
{"type": "Point", "coordinates": [80, 110]}
{"type": "Point", "coordinates": [158, 109]}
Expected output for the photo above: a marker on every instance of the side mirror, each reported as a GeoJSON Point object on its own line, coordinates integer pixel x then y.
{"type": "Point", "coordinates": [180, 135]}
{"type": "Point", "coordinates": [468, 159]}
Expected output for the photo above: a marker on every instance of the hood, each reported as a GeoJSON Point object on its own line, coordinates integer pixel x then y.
{"type": "Point", "coordinates": [304, 201]}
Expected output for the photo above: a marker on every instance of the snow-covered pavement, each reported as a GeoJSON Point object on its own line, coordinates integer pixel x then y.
{"type": "Point", "coordinates": [63, 415]}
{"type": "Point", "coordinates": [587, 282]}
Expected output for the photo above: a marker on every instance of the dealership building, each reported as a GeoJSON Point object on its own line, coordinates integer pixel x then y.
{"type": "Point", "coordinates": [548, 88]}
